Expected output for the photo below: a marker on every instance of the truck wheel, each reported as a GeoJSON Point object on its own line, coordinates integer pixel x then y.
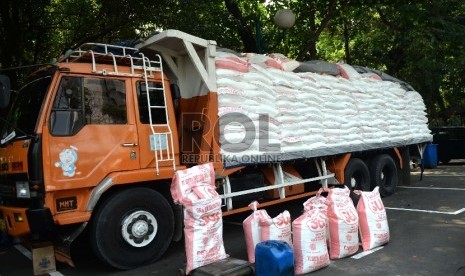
{"type": "Point", "coordinates": [383, 172]}
{"type": "Point", "coordinates": [132, 228]}
{"type": "Point", "coordinates": [356, 177]}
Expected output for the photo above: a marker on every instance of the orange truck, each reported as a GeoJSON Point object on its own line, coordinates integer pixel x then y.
{"type": "Point", "coordinates": [92, 143]}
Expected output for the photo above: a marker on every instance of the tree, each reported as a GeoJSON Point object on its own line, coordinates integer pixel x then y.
{"type": "Point", "coordinates": [24, 34]}
{"type": "Point", "coordinates": [417, 41]}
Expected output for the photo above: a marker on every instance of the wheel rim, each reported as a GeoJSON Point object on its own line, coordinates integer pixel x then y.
{"type": "Point", "coordinates": [353, 182]}
{"type": "Point", "coordinates": [386, 175]}
{"type": "Point", "coordinates": [139, 228]}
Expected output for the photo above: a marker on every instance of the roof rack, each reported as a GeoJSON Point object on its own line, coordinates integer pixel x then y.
{"type": "Point", "coordinates": [98, 53]}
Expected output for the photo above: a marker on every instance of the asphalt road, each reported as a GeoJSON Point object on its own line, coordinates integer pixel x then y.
{"type": "Point", "coordinates": [426, 221]}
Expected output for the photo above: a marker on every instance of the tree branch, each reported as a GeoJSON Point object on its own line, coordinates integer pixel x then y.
{"type": "Point", "coordinates": [386, 21]}
{"type": "Point", "coordinates": [328, 16]}
{"type": "Point", "coordinates": [246, 34]}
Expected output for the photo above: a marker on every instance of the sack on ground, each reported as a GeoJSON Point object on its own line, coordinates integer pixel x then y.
{"type": "Point", "coordinates": [277, 228]}
{"type": "Point", "coordinates": [184, 180]}
{"type": "Point", "coordinates": [251, 227]}
{"type": "Point", "coordinates": [373, 223]}
{"type": "Point", "coordinates": [309, 237]}
{"type": "Point", "coordinates": [203, 224]}
{"type": "Point", "coordinates": [343, 223]}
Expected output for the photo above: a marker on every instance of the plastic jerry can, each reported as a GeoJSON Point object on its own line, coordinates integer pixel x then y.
{"type": "Point", "coordinates": [274, 258]}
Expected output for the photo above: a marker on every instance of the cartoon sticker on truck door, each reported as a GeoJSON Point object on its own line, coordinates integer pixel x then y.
{"type": "Point", "coordinates": [68, 158]}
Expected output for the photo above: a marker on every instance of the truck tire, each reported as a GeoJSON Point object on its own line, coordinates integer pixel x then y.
{"type": "Point", "coordinates": [132, 228]}
{"type": "Point", "coordinates": [356, 177]}
{"type": "Point", "coordinates": [383, 172]}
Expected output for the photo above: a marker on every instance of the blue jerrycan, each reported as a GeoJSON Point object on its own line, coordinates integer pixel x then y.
{"type": "Point", "coordinates": [274, 258]}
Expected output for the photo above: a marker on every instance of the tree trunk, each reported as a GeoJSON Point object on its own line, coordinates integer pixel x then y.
{"type": "Point", "coordinates": [312, 51]}
{"type": "Point", "coordinates": [244, 30]}
{"type": "Point", "coordinates": [346, 42]}
{"type": "Point", "coordinates": [315, 29]}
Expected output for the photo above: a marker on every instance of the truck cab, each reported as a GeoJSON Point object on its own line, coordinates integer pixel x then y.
{"type": "Point", "coordinates": [78, 131]}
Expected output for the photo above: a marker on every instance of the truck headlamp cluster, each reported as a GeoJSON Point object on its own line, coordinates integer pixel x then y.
{"type": "Point", "coordinates": [22, 189]}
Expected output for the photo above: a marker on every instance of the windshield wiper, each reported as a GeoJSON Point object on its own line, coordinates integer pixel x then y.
{"type": "Point", "coordinates": [12, 134]}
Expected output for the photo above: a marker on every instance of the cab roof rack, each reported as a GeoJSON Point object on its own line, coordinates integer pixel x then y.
{"type": "Point", "coordinates": [99, 53]}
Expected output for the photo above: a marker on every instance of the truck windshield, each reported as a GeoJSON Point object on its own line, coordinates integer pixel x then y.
{"type": "Point", "coordinates": [24, 112]}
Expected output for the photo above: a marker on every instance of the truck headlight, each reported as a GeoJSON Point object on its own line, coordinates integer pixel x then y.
{"type": "Point", "coordinates": [22, 189]}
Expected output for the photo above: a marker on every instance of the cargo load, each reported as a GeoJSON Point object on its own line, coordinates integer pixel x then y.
{"type": "Point", "coordinates": [264, 109]}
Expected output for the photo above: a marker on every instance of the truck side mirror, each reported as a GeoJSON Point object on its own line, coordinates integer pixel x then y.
{"type": "Point", "coordinates": [5, 91]}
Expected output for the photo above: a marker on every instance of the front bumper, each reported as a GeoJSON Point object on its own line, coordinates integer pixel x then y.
{"type": "Point", "coordinates": [22, 221]}
{"type": "Point", "coordinates": [15, 220]}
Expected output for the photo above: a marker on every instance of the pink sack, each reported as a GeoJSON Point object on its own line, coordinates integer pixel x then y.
{"type": "Point", "coordinates": [286, 63]}
{"type": "Point", "coordinates": [347, 71]}
{"type": "Point", "coordinates": [343, 223]}
{"type": "Point", "coordinates": [273, 64]}
{"type": "Point", "coordinates": [319, 202]}
{"type": "Point", "coordinates": [372, 76]}
{"type": "Point", "coordinates": [232, 63]}
{"type": "Point", "coordinates": [374, 228]}
{"type": "Point", "coordinates": [203, 233]}
{"type": "Point", "coordinates": [277, 228]}
{"type": "Point", "coordinates": [316, 201]}
{"type": "Point", "coordinates": [184, 180]}
{"type": "Point", "coordinates": [251, 227]}
{"type": "Point", "coordinates": [309, 237]}
{"type": "Point", "coordinates": [203, 224]}
{"type": "Point", "coordinates": [263, 61]}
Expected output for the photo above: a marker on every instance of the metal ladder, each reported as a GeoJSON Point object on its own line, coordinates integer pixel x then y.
{"type": "Point", "coordinates": [160, 140]}
{"type": "Point", "coordinates": [141, 66]}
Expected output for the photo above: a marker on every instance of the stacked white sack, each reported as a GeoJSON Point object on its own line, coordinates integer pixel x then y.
{"type": "Point", "coordinates": [307, 111]}
{"type": "Point", "coordinates": [252, 95]}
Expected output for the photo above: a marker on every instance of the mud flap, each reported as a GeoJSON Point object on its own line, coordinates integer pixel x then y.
{"type": "Point", "coordinates": [63, 244]}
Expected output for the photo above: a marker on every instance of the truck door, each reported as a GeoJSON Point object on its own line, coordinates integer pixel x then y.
{"type": "Point", "coordinates": [91, 132]}
{"type": "Point", "coordinates": [159, 118]}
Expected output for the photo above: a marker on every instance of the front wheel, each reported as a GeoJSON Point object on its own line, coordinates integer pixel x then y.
{"type": "Point", "coordinates": [132, 228]}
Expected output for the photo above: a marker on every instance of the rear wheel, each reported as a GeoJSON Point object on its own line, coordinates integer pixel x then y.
{"type": "Point", "coordinates": [356, 177]}
{"type": "Point", "coordinates": [132, 228]}
{"type": "Point", "coordinates": [383, 172]}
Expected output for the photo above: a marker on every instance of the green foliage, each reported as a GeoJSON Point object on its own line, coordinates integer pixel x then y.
{"type": "Point", "coordinates": [419, 41]}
